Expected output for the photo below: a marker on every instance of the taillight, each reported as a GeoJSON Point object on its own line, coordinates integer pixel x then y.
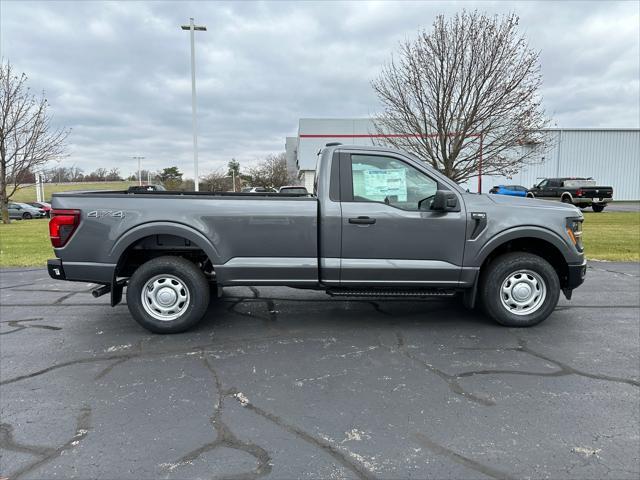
{"type": "Point", "coordinates": [579, 192]}
{"type": "Point", "coordinates": [62, 225]}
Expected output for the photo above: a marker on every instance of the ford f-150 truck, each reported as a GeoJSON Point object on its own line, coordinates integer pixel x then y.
{"type": "Point", "coordinates": [380, 223]}
{"type": "Point", "coordinates": [581, 192]}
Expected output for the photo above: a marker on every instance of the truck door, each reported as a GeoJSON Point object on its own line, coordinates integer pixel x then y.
{"type": "Point", "coordinates": [554, 188]}
{"type": "Point", "coordinates": [387, 238]}
{"type": "Point", "coordinates": [541, 189]}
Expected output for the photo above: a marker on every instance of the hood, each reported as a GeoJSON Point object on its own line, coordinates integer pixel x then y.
{"type": "Point", "coordinates": [534, 203]}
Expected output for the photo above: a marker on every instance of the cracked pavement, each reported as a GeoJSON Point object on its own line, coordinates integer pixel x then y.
{"type": "Point", "coordinates": [282, 383]}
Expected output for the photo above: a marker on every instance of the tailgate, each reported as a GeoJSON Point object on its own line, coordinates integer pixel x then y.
{"type": "Point", "coordinates": [595, 192]}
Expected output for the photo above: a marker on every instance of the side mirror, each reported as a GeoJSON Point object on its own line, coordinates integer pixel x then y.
{"type": "Point", "coordinates": [534, 186]}
{"type": "Point", "coordinates": [445, 201]}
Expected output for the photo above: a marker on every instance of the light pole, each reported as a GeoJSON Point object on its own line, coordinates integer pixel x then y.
{"type": "Point", "coordinates": [139, 168]}
{"type": "Point", "coordinates": [192, 27]}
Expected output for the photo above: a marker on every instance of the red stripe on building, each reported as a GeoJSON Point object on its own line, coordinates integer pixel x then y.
{"type": "Point", "coordinates": [376, 135]}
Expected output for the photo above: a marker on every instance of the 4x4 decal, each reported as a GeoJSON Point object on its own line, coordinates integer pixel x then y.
{"type": "Point", "coordinates": [106, 213]}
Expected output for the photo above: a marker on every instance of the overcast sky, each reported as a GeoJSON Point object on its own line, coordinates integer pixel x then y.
{"type": "Point", "coordinates": [118, 73]}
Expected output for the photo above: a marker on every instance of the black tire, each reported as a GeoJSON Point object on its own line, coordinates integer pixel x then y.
{"type": "Point", "coordinates": [189, 281]}
{"type": "Point", "coordinates": [597, 208]}
{"type": "Point", "coordinates": [566, 199]}
{"type": "Point", "coordinates": [530, 195]}
{"type": "Point", "coordinates": [507, 266]}
{"type": "Point", "coordinates": [27, 216]}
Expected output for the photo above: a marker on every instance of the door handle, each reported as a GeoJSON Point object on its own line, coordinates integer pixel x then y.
{"type": "Point", "coordinates": [362, 221]}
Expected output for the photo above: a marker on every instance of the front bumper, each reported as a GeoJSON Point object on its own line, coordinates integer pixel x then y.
{"type": "Point", "coordinates": [576, 275]}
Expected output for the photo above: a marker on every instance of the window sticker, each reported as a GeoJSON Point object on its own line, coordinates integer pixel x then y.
{"type": "Point", "coordinates": [386, 183]}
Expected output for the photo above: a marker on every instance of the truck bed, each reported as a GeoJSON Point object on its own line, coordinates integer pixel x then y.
{"type": "Point", "coordinates": [254, 234]}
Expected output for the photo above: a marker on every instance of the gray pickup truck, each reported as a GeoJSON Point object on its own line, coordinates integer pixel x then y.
{"type": "Point", "coordinates": [380, 223]}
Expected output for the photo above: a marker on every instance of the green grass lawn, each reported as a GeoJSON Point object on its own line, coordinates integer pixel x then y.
{"type": "Point", "coordinates": [611, 236]}
{"type": "Point", "coordinates": [25, 243]}
{"type": "Point", "coordinates": [28, 194]}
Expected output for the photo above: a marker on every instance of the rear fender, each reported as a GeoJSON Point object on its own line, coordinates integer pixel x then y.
{"type": "Point", "coordinates": [149, 229]}
{"type": "Point", "coordinates": [163, 228]}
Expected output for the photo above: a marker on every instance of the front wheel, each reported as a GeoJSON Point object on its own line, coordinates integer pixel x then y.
{"type": "Point", "coordinates": [519, 289]}
{"type": "Point", "coordinates": [167, 295]}
{"type": "Point", "coordinates": [26, 216]}
{"type": "Point", "coordinates": [597, 208]}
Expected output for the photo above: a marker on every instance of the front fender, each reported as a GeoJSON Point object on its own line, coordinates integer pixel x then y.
{"type": "Point", "coordinates": [476, 259]}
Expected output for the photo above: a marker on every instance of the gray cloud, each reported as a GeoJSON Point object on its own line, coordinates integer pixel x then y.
{"type": "Point", "coordinates": [118, 72]}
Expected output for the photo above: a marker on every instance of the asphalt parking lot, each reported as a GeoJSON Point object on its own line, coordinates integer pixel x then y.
{"type": "Point", "coordinates": [283, 383]}
{"type": "Point", "coordinates": [622, 207]}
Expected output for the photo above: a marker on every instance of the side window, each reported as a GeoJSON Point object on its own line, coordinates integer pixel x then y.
{"type": "Point", "coordinates": [543, 184]}
{"type": "Point", "coordinates": [391, 181]}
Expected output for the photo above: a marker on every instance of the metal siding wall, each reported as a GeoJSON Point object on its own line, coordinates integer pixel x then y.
{"type": "Point", "coordinates": [611, 157]}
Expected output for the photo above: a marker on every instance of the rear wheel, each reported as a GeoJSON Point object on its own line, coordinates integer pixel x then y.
{"type": "Point", "coordinates": [27, 216]}
{"type": "Point", "coordinates": [597, 208]}
{"type": "Point", "coordinates": [519, 289]}
{"type": "Point", "coordinates": [168, 295]}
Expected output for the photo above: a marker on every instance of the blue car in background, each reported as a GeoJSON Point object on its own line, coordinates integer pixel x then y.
{"type": "Point", "coordinates": [513, 190]}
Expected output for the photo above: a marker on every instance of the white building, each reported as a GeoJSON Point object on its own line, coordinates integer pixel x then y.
{"type": "Point", "coordinates": [610, 156]}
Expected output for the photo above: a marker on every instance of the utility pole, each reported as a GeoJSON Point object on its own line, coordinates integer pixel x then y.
{"type": "Point", "coordinates": [139, 168]}
{"type": "Point", "coordinates": [39, 189]}
{"type": "Point", "coordinates": [192, 27]}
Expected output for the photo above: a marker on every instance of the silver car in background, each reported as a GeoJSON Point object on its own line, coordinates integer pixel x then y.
{"type": "Point", "coordinates": [24, 211]}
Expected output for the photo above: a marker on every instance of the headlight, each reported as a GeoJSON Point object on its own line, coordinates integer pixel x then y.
{"type": "Point", "coordinates": [574, 231]}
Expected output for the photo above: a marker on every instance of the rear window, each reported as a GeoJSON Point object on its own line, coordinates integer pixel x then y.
{"type": "Point", "coordinates": [300, 190]}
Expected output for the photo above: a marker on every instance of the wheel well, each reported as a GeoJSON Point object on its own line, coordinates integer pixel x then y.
{"type": "Point", "coordinates": [535, 246]}
{"type": "Point", "coordinates": [566, 194]}
{"type": "Point", "coordinates": [154, 246]}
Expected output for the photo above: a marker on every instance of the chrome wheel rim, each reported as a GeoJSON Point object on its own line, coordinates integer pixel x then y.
{"type": "Point", "coordinates": [523, 292]}
{"type": "Point", "coordinates": [165, 297]}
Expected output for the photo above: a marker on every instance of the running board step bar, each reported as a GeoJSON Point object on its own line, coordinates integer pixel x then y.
{"type": "Point", "coordinates": [389, 292]}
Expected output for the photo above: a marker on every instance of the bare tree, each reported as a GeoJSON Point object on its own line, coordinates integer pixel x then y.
{"type": "Point", "coordinates": [59, 174]}
{"type": "Point", "coordinates": [113, 175]}
{"type": "Point", "coordinates": [77, 174]}
{"type": "Point", "coordinates": [271, 172]}
{"type": "Point", "coordinates": [27, 139]}
{"type": "Point", "coordinates": [464, 96]}
{"type": "Point", "coordinates": [217, 181]}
